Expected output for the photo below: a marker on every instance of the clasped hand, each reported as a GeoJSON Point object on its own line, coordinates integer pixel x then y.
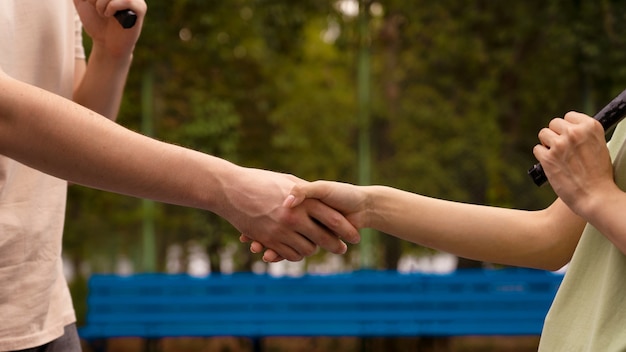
{"type": "Point", "coordinates": [576, 160]}
{"type": "Point", "coordinates": [97, 17]}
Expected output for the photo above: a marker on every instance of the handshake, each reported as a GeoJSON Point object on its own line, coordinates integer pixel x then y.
{"type": "Point", "coordinates": [313, 214]}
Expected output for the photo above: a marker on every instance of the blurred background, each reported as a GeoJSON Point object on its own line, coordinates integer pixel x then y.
{"type": "Point", "coordinates": [443, 98]}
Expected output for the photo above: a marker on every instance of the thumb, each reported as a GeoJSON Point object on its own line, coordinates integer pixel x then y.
{"type": "Point", "coordinates": [302, 191]}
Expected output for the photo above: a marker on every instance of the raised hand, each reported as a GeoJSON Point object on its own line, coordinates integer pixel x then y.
{"type": "Point", "coordinates": [100, 24]}
{"type": "Point", "coordinates": [576, 160]}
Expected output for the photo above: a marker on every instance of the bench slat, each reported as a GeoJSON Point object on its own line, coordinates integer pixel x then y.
{"type": "Point", "coordinates": [503, 302]}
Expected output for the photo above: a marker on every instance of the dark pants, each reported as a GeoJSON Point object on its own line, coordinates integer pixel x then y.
{"type": "Point", "coordinates": [69, 342]}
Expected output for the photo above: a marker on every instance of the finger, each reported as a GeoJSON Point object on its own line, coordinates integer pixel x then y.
{"type": "Point", "coordinates": [288, 253]}
{"type": "Point", "coordinates": [270, 256]}
{"type": "Point", "coordinates": [548, 137]}
{"type": "Point", "coordinates": [542, 155]}
{"type": "Point", "coordinates": [295, 250]}
{"type": "Point", "coordinates": [576, 117]}
{"type": "Point", "coordinates": [293, 245]}
{"type": "Point", "coordinates": [302, 191]}
{"type": "Point", "coordinates": [290, 201]}
{"type": "Point", "coordinates": [256, 247]}
{"type": "Point", "coordinates": [317, 232]}
{"type": "Point", "coordinates": [563, 126]}
{"type": "Point", "coordinates": [539, 151]}
{"type": "Point", "coordinates": [97, 5]}
{"type": "Point", "coordinates": [101, 7]}
{"type": "Point", "coordinates": [334, 221]}
{"type": "Point", "coordinates": [113, 6]}
{"type": "Point", "coordinates": [559, 125]}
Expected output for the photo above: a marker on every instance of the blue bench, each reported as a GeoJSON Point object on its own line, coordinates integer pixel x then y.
{"type": "Point", "coordinates": [362, 304]}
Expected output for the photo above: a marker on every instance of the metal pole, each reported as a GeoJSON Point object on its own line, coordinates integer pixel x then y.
{"type": "Point", "coordinates": [148, 257]}
{"type": "Point", "coordinates": [363, 98]}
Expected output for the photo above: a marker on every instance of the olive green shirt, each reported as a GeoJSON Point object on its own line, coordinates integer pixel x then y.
{"type": "Point", "coordinates": [589, 311]}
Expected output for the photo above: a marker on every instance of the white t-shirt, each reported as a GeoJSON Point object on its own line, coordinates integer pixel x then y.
{"type": "Point", "coordinates": [39, 44]}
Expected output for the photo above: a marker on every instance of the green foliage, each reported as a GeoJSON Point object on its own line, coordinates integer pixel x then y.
{"type": "Point", "coordinates": [315, 117]}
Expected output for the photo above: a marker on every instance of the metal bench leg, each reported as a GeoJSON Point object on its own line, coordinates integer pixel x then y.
{"type": "Point", "coordinates": [257, 344]}
{"type": "Point", "coordinates": [151, 345]}
{"type": "Point", "coordinates": [98, 345]}
{"type": "Point", "coordinates": [364, 344]}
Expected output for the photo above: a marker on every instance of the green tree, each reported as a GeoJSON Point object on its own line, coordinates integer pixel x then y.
{"type": "Point", "coordinates": [460, 90]}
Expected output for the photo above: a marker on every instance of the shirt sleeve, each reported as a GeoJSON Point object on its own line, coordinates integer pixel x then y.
{"type": "Point", "coordinates": [79, 50]}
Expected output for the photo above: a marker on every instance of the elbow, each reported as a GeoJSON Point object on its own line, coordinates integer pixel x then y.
{"type": "Point", "coordinates": [546, 259]}
{"type": "Point", "coordinates": [554, 265]}
{"type": "Point", "coordinates": [555, 234]}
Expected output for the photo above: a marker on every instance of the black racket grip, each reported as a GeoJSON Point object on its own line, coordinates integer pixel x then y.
{"type": "Point", "coordinates": [608, 117]}
{"type": "Point", "coordinates": [126, 18]}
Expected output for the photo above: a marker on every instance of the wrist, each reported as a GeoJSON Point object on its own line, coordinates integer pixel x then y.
{"type": "Point", "coordinates": [372, 205]}
{"type": "Point", "coordinates": [222, 180]}
{"type": "Point", "coordinates": [593, 206]}
{"type": "Point", "coordinates": [115, 58]}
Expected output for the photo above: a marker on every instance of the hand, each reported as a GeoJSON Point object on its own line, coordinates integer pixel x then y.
{"type": "Point", "coordinates": [576, 160]}
{"type": "Point", "coordinates": [255, 203]}
{"type": "Point", "coordinates": [348, 199]}
{"type": "Point", "coordinates": [100, 24]}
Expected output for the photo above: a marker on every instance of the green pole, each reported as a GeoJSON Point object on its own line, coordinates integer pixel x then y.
{"type": "Point", "coordinates": [363, 98]}
{"type": "Point", "coordinates": [148, 257]}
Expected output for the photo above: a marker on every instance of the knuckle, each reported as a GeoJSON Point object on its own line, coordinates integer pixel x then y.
{"type": "Point", "coordinates": [596, 125]}
{"type": "Point", "coordinates": [288, 218]}
{"type": "Point", "coordinates": [308, 251]}
{"type": "Point", "coordinates": [570, 114]}
{"type": "Point", "coordinates": [561, 143]}
{"type": "Point", "coordinates": [330, 243]}
{"type": "Point", "coordinates": [334, 221]}
{"type": "Point", "coordinates": [554, 122]}
{"type": "Point", "coordinates": [289, 255]}
{"type": "Point", "coordinates": [295, 258]}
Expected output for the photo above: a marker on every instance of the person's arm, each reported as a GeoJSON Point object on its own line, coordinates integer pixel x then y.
{"type": "Point", "coordinates": [576, 161]}
{"type": "Point", "coordinates": [540, 239]}
{"type": "Point", "coordinates": [99, 82]}
{"type": "Point", "coordinates": [66, 140]}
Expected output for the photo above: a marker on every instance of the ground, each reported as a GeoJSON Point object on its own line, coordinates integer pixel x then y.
{"type": "Point", "coordinates": [345, 344]}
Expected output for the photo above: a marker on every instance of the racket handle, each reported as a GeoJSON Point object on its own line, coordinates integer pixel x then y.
{"type": "Point", "coordinates": [126, 18]}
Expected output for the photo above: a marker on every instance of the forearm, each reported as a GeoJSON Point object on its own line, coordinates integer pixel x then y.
{"type": "Point", "coordinates": [102, 85]}
{"type": "Point", "coordinates": [603, 208]}
{"type": "Point", "coordinates": [497, 235]}
{"type": "Point", "coordinates": [68, 141]}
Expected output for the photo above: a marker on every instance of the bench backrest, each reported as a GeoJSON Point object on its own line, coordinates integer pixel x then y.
{"type": "Point", "coordinates": [364, 303]}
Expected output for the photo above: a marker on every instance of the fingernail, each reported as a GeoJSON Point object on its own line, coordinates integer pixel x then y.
{"type": "Point", "coordinates": [289, 201]}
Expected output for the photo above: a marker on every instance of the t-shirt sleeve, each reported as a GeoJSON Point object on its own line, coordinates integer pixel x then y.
{"type": "Point", "coordinates": [79, 50]}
